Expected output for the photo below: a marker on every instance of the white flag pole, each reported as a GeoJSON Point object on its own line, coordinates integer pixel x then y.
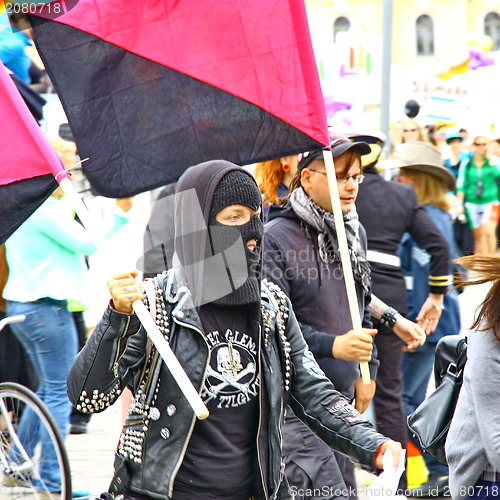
{"type": "Point", "coordinates": [140, 310]}
{"type": "Point", "coordinates": [171, 360]}
{"type": "Point", "coordinates": [82, 211]}
{"type": "Point", "coordinates": [344, 254]}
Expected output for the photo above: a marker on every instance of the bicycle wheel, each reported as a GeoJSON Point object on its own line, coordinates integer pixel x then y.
{"type": "Point", "coordinates": [25, 463]}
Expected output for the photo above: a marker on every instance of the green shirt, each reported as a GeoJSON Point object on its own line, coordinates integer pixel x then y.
{"type": "Point", "coordinates": [469, 178]}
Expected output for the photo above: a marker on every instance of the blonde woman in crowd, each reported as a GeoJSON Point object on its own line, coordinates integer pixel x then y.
{"type": "Point", "coordinates": [412, 131]}
{"type": "Point", "coordinates": [422, 168]}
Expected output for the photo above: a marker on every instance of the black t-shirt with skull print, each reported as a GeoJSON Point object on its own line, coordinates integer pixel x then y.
{"type": "Point", "coordinates": [221, 452]}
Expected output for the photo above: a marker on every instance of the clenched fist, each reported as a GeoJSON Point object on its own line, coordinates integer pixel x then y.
{"type": "Point", "coordinates": [125, 291]}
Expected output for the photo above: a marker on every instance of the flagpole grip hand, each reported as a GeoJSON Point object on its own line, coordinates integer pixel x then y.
{"type": "Point", "coordinates": [344, 255]}
{"type": "Point", "coordinates": [171, 360]}
{"type": "Point", "coordinates": [125, 291]}
{"type": "Point", "coordinates": [134, 304]}
{"type": "Point", "coordinates": [127, 298]}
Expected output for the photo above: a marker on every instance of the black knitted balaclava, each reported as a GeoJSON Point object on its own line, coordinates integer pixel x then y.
{"type": "Point", "coordinates": [237, 187]}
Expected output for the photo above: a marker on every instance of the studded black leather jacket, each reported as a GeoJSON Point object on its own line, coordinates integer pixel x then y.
{"type": "Point", "coordinates": [160, 421]}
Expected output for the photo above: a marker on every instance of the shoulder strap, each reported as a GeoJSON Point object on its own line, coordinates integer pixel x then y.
{"type": "Point", "coordinates": [450, 356]}
{"type": "Point", "coordinates": [279, 301]}
{"type": "Point", "coordinates": [149, 290]}
{"type": "Point", "coordinates": [461, 354]}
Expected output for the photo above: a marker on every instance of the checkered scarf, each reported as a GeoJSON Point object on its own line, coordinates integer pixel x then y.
{"type": "Point", "coordinates": [314, 216]}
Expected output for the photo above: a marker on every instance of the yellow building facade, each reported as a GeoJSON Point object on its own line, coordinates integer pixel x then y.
{"type": "Point", "coordinates": [442, 50]}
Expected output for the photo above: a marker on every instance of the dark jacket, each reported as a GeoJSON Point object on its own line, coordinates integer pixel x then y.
{"type": "Point", "coordinates": [388, 210]}
{"type": "Point", "coordinates": [159, 426]}
{"type": "Point", "coordinates": [317, 292]}
{"type": "Point", "coordinates": [161, 422]}
{"type": "Point", "coordinates": [415, 263]}
{"type": "Point", "coordinates": [158, 242]}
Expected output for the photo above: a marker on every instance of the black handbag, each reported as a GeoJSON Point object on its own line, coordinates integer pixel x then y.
{"type": "Point", "coordinates": [430, 422]}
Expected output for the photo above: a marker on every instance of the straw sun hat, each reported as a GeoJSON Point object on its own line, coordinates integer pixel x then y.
{"type": "Point", "coordinates": [425, 157]}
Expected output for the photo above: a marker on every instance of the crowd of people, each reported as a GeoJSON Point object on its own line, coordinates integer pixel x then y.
{"type": "Point", "coordinates": [475, 165]}
{"type": "Point", "coordinates": [249, 291]}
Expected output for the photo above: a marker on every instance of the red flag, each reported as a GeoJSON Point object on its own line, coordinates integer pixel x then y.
{"type": "Point", "coordinates": [28, 164]}
{"type": "Point", "coordinates": [150, 89]}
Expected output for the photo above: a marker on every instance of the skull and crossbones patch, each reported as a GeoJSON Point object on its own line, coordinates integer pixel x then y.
{"type": "Point", "coordinates": [232, 377]}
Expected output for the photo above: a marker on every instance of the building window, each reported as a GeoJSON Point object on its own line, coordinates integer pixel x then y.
{"type": "Point", "coordinates": [492, 29]}
{"type": "Point", "coordinates": [340, 24]}
{"type": "Point", "coordinates": [425, 36]}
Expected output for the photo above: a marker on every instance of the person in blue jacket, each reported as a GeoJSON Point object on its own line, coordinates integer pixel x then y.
{"type": "Point", "coordinates": [456, 155]}
{"type": "Point", "coordinates": [432, 182]}
{"type": "Point", "coordinates": [14, 39]}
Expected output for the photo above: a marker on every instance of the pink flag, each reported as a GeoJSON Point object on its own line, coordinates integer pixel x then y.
{"type": "Point", "coordinates": [29, 165]}
{"type": "Point", "coordinates": [24, 150]}
{"type": "Point", "coordinates": [151, 91]}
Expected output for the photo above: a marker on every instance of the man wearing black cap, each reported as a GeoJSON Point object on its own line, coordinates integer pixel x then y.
{"type": "Point", "coordinates": [239, 342]}
{"type": "Point", "coordinates": [388, 210]}
{"type": "Point", "coordinates": [302, 257]}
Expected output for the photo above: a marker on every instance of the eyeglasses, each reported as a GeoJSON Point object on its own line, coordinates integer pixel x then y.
{"type": "Point", "coordinates": [358, 178]}
{"type": "Point", "coordinates": [480, 143]}
{"type": "Point", "coordinates": [410, 130]}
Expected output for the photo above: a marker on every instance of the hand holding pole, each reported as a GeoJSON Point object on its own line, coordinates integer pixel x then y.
{"type": "Point", "coordinates": [170, 360]}
{"type": "Point", "coordinates": [142, 313]}
{"type": "Point", "coordinates": [344, 254]}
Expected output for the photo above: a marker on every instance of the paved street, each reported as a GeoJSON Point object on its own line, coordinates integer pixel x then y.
{"type": "Point", "coordinates": [91, 454]}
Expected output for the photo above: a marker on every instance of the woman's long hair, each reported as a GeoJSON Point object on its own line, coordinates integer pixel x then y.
{"type": "Point", "coordinates": [269, 176]}
{"type": "Point", "coordinates": [429, 188]}
{"type": "Point", "coordinates": [421, 133]}
{"type": "Point", "coordinates": [486, 270]}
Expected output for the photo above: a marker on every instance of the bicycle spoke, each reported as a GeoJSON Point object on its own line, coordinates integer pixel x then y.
{"type": "Point", "coordinates": [33, 459]}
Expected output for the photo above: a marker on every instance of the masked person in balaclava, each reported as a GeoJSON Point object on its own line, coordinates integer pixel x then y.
{"type": "Point", "coordinates": [239, 343]}
{"type": "Point", "coordinates": [218, 247]}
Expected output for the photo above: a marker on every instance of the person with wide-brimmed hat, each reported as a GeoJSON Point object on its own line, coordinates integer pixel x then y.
{"type": "Point", "coordinates": [422, 157]}
{"type": "Point", "coordinates": [420, 166]}
{"type": "Point", "coordinates": [388, 210]}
